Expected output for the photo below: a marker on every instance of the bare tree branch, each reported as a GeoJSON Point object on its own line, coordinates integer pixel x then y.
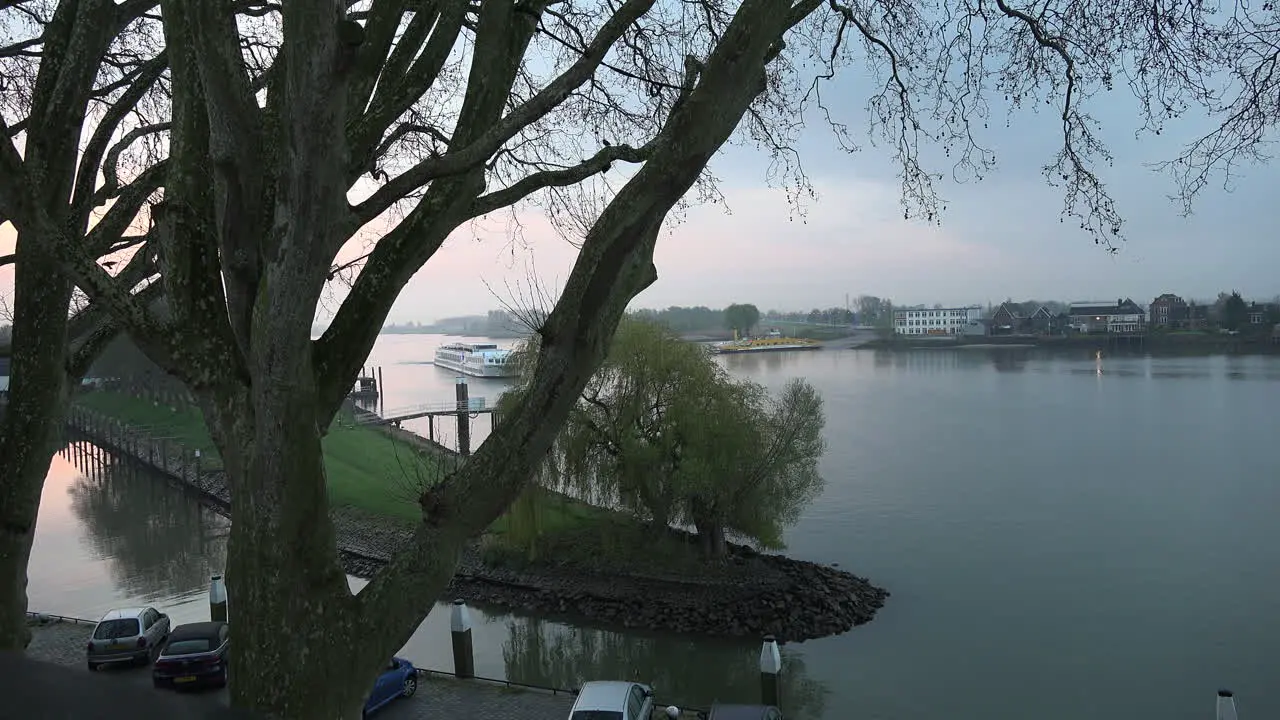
{"type": "Point", "coordinates": [474, 153]}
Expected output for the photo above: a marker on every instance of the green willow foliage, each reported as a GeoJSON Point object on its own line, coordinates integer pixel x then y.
{"type": "Point", "coordinates": [663, 433]}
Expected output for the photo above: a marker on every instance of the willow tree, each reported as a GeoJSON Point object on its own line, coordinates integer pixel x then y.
{"type": "Point", "coordinates": [664, 433]}
{"type": "Point", "coordinates": [618, 444]}
{"type": "Point", "coordinates": [88, 192]}
{"type": "Point", "coordinates": [748, 459]}
{"type": "Point", "coordinates": [297, 127]}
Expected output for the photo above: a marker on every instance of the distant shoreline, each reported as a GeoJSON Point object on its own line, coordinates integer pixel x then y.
{"type": "Point", "coordinates": [1153, 344]}
{"type": "Point", "coordinates": [496, 335]}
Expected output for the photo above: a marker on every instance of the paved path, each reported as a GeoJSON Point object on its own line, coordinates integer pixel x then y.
{"type": "Point", "coordinates": [438, 698]}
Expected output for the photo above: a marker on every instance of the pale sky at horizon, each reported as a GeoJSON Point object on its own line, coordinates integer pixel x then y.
{"type": "Point", "coordinates": [999, 238]}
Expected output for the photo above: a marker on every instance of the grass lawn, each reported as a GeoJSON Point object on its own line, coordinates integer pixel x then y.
{"type": "Point", "coordinates": [367, 469]}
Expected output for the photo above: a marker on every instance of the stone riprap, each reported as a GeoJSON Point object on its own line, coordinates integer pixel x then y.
{"type": "Point", "coordinates": [757, 594]}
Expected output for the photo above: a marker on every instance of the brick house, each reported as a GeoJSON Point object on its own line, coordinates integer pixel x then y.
{"type": "Point", "coordinates": [1122, 316]}
{"type": "Point", "coordinates": [1169, 312]}
{"type": "Point", "coordinates": [1007, 320]}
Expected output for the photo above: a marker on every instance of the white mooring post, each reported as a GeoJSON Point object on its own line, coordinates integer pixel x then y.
{"type": "Point", "coordinates": [770, 672]}
{"type": "Point", "coordinates": [217, 599]}
{"type": "Point", "coordinates": [464, 663]}
{"type": "Point", "coordinates": [1226, 705]}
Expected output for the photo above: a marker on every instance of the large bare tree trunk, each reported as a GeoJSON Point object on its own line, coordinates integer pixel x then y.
{"type": "Point", "coordinates": [31, 426]}
{"type": "Point", "coordinates": [293, 611]}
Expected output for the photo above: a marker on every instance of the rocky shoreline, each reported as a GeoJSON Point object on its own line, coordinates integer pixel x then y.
{"type": "Point", "coordinates": [753, 594]}
{"type": "Point", "coordinates": [750, 594]}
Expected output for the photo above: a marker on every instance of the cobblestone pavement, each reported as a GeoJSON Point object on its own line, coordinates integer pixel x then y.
{"type": "Point", "coordinates": [438, 698]}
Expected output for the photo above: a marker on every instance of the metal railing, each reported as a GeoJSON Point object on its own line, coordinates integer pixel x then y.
{"type": "Point", "coordinates": [60, 618]}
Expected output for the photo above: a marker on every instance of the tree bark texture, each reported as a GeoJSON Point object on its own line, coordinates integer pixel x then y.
{"type": "Point", "coordinates": [31, 427]}
{"type": "Point", "coordinates": [38, 397]}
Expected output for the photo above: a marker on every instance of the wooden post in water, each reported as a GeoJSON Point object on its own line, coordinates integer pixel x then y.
{"type": "Point", "coordinates": [464, 417]}
{"type": "Point", "coordinates": [382, 393]}
{"type": "Point", "coordinates": [770, 672]}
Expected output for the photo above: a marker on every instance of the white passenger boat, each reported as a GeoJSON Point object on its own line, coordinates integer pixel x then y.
{"type": "Point", "coordinates": [476, 359]}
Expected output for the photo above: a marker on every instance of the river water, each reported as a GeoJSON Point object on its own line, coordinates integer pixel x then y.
{"type": "Point", "coordinates": [1064, 537]}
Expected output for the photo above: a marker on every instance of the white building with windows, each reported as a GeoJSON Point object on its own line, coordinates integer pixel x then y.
{"type": "Point", "coordinates": [938, 321]}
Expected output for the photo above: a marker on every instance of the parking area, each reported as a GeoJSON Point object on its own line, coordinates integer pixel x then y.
{"type": "Point", "coordinates": [438, 698]}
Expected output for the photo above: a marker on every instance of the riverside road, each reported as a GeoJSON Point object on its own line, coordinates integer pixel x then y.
{"type": "Point", "coordinates": [437, 698]}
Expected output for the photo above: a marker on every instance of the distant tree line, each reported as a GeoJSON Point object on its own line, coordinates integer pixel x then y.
{"type": "Point", "coordinates": [495, 323]}
{"type": "Point", "coordinates": [678, 319]}
{"type": "Point", "coordinates": [743, 317]}
{"type": "Point", "coordinates": [829, 316]}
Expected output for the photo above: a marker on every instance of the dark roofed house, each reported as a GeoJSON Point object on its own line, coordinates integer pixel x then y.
{"type": "Point", "coordinates": [1044, 322]}
{"type": "Point", "coordinates": [1122, 316]}
{"type": "Point", "coordinates": [1007, 320]}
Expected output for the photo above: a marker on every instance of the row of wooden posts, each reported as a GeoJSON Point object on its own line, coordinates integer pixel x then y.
{"type": "Point", "coordinates": [165, 454]}
{"type": "Point", "coordinates": [464, 659]}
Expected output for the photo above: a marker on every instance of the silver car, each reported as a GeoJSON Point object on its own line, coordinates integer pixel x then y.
{"type": "Point", "coordinates": [127, 635]}
{"type": "Point", "coordinates": [613, 700]}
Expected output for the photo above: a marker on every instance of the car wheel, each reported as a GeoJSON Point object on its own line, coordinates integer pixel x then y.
{"type": "Point", "coordinates": [93, 667]}
{"type": "Point", "coordinates": [410, 686]}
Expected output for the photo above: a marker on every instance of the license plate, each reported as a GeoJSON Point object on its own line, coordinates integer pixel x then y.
{"type": "Point", "coordinates": [119, 646]}
{"type": "Point", "coordinates": [185, 679]}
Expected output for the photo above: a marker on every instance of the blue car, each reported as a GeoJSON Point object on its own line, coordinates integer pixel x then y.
{"type": "Point", "coordinates": [398, 679]}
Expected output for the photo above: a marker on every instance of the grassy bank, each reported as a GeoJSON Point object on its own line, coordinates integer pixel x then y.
{"type": "Point", "coordinates": [367, 469]}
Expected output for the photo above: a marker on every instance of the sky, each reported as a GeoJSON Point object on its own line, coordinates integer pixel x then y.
{"type": "Point", "coordinates": [999, 238]}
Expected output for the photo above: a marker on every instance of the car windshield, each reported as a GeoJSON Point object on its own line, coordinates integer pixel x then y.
{"type": "Point", "coordinates": [597, 715]}
{"type": "Point", "coordinates": [127, 627]}
{"type": "Point", "coordinates": [187, 647]}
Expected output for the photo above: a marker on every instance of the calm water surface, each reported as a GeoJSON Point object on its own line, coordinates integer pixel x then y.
{"type": "Point", "coordinates": [1063, 538]}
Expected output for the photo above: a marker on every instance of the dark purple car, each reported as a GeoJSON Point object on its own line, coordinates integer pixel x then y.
{"type": "Point", "coordinates": [194, 656]}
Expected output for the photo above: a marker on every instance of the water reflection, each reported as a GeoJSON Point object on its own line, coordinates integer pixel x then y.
{"type": "Point", "coordinates": [683, 671]}
{"type": "Point", "coordinates": [750, 362]}
{"type": "Point", "coordinates": [157, 541]}
{"type": "Point", "coordinates": [1011, 360]}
